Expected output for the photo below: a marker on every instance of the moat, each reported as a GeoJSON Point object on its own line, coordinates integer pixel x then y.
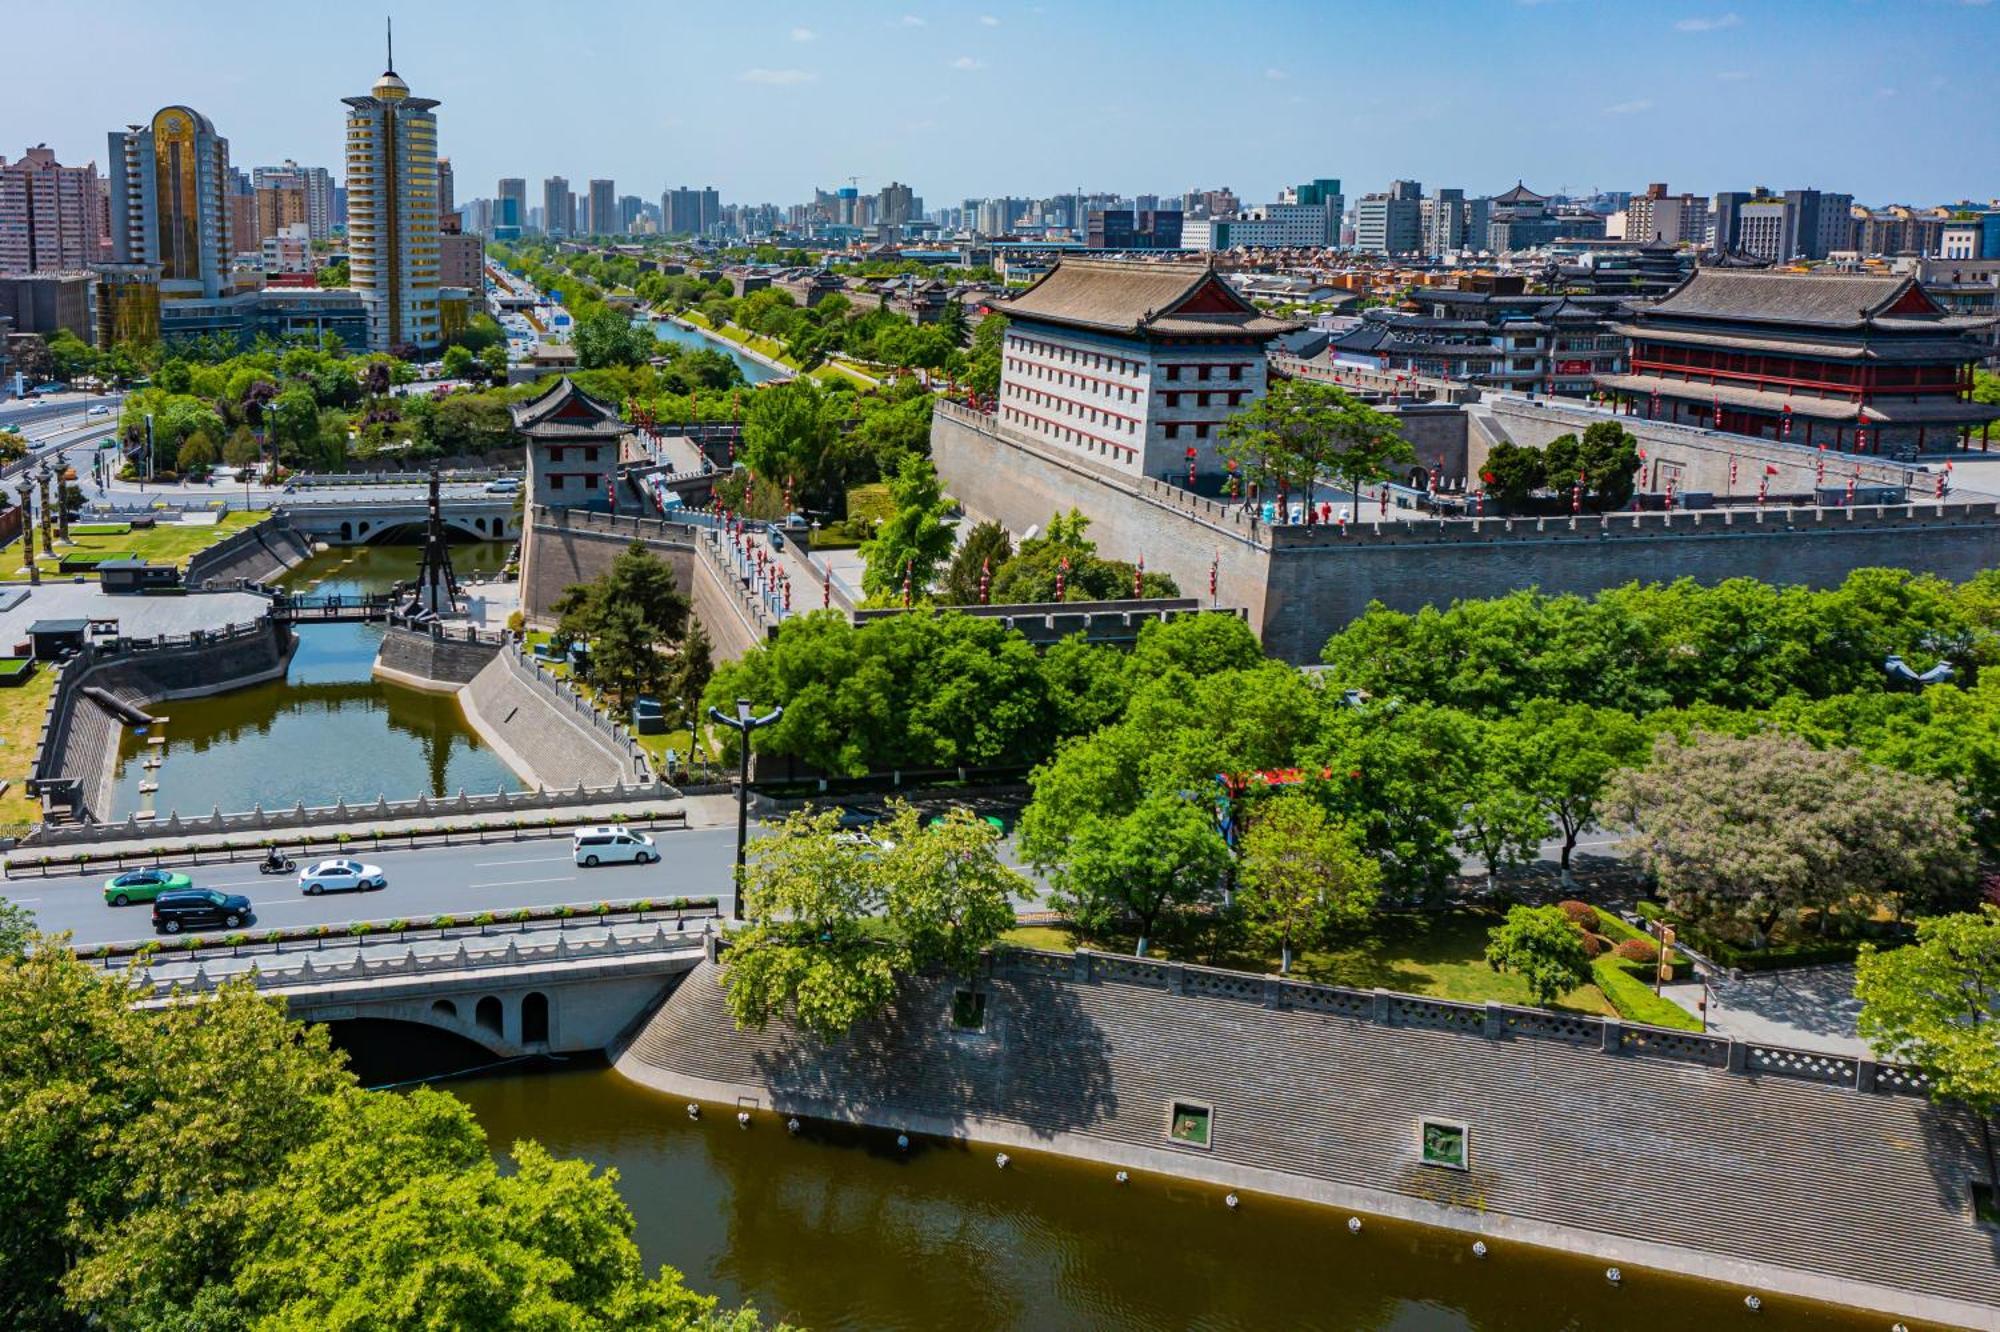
{"type": "Point", "coordinates": [328, 730]}
{"type": "Point", "coordinates": [837, 1229]}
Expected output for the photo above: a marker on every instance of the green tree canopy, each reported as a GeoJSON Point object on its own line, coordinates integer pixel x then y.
{"type": "Point", "coordinates": [1542, 947]}
{"type": "Point", "coordinates": [1303, 874]}
{"type": "Point", "coordinates": [1301, 430]}
{"type": "Point", "coordinates": [914, 542]}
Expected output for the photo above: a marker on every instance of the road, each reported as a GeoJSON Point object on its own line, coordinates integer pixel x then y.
{"type": "Point", "coordinates": [438, 881]}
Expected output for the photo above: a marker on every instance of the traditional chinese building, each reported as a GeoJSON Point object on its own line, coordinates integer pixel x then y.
{"type": "Point", "coordinates": [1855, 362]}
{"type": "Point", "coordinates": [1494, 333]}
{"type": "Point", "coordinates": [1131, 366]}
{"type": "Point", "coordinates": [572, 442]}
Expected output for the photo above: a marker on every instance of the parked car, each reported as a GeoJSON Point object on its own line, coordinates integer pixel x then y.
{"type": "Point", "coordinates": [200, 909]}
{"type": "Point", "coordinates": [143, 885]}
{"type": "Point", "coordinates": [608, 844]}
{"type": "Point", "coordinates": [340, 875]}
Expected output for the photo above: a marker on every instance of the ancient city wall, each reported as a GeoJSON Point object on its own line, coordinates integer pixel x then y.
{"type": "Point", "coordinates": [431, 658]}
{"type": "Point", "coordinates": [543, 729]}
{"type": "Point", "coordinates": [1834, 1180]}
{"type": "Point", "coordinates": [568, 546]}
{"type": "Point", "coordinates": [256, 554]}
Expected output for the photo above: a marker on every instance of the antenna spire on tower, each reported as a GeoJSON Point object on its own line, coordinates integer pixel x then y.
{"type": "Point", "coordinates": [390, 24]}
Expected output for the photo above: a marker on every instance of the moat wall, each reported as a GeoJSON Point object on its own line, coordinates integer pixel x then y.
{"type": "Point", "coordinates": [1834, 1178]}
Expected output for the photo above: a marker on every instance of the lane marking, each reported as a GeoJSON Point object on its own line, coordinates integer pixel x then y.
{"type": "Point", "coordinates": [520, 883]}
{"type": "Point", "coordinates": [532, 860]}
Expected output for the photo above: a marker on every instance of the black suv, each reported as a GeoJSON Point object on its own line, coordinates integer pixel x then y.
{"type": "Point", "coordinates": [199, 909]}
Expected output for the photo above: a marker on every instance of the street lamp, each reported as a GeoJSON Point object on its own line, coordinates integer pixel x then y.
{"type": "Point", "coordinates": [742, 723]}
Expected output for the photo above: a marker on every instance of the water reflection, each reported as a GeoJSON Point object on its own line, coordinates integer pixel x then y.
{"type": "Point", "coordinates": [327, 731]}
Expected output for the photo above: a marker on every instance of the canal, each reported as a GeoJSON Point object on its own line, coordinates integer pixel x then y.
{"type": "Point", "coordinates": [836, 1229]}
{"type": "Point", "coordinates": [754, 371]}
{"type": "Point", "coordinates": [327, 731]}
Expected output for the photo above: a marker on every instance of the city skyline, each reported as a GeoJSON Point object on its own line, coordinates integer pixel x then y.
{"type": "Point", "coordinates": [966, 101]}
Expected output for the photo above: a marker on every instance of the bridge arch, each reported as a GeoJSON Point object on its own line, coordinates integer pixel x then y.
{"type": "Point", "coordinates": [534, 1018]}
{"type": "Point", "coordinates": [489, 1014]}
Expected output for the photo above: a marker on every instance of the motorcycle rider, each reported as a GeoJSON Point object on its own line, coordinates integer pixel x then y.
{"type": "Point", "coordinates": [274, 860]}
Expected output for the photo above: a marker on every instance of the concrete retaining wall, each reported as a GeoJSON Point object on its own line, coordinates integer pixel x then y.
{"type": "Point", "coordinates": [434, 662]}
{"type": "Point", "coordinates": [256, 554]}
{"type": "Point", "coordinates": [545, 742]}
{"type": "Point", "coordinates": [1780, 1170]}
{"type": "Point", "coordinates": [564, 547]}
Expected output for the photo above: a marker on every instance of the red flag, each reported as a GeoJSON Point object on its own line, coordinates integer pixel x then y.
{"type": "Point", "coordinates": [1770, 469]}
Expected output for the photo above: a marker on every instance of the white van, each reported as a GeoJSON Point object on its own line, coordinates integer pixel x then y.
{"type": "Point", "coordinates": [608, 845]}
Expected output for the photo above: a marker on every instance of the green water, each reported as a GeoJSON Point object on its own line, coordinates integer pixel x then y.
{"type": "Point", "coordinates": [837, 1229]}
{"type": "Point", "coordinates": [327, 731]}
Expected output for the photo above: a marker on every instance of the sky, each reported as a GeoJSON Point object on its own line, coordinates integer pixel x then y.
{"type": "Point", "coordinates": [1890, 100]}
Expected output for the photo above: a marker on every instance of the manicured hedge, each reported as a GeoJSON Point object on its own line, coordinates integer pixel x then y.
{"type": "Point", "coordinates": [99, 529]}
{"type": "Point", "coordinates": [1633, 996]}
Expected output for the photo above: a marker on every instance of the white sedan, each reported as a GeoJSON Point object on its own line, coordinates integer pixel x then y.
{"type": "Point", "coordinates": [341, 876]}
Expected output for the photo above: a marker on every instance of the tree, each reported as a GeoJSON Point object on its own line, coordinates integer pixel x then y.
{"type": "Point", "coordinates": [1567, 752]}
{"type": "Point", "coordinates": [17, 926]}
{"type": "Point", "coordinates": [982, 373]}
{"type": "Point", "coordinates": [1540, 945]}
{"type": "Point", "coordinates": [1936, 1004]}
{"type": "Point", "coordinates": [493, 360]}
{"type": "Point", "coordinates": [951, 320]}
{"type": "Point", "coordinates": [457, 362]}
{"type": "Point", "coordinates": [1502, 820]}
{"type": "Point", "coordinates": [791, 437]}
{"type": "Point", "coordinates": [913, 541]}
{"type": "Point", "coordinates": [1302, 874]}
{"type": "Point", "coordinates": [693, 669]}
{"type": "Point", "coordinates": [625, 614]}
{"type": "Point", "coordinates": [1512, 472]}
{"type": "Point", "coordinates": [1605, 461]}
{"type": "Point", "coordinates": [1301, 430]}
{"type": "Point", "coordinates": [1155, 864]}
{"type": "Point", "coordinates": [810, 952]}
{"type": "Point", "coordinates": [1750, 832]}
{"type": "Point", "coordinates": [196, 454]}
{"type": "Point", "coordinates": [985, 549]}
{"type": "Point", "coordinates": [333, 275]}
{"type": "Point", "coordinates": [606, 337]}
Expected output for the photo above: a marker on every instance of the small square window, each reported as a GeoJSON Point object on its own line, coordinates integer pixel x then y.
{"type": "Point", "coordinates": [968, 1010]}
{"type": "Point", "coordinates": [1445, 1143]}
{"type": "Point", "coordinates": [1189, 1122]}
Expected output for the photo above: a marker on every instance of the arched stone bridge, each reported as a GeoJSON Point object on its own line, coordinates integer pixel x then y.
{"type": "Point", "coordinates": [360, 521]}
{"type": "Point", "coordinates": [562, 989]}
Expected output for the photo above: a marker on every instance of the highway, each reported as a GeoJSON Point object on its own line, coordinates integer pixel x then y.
{"type": "Point", "coordinates": [438, 881]}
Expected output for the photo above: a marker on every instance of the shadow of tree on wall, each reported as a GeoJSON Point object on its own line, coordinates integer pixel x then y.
{"type": "Point", "coordinates": [1957, 1161]}
{"type": "Point", "coordinates": [1041, 1060]}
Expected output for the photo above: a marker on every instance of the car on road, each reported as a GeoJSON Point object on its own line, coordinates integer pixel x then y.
{"type": "Point", "coordinates": [606, 844]}
{"type": "Point", "coordinates": [505, 485]}
{"type": "Point", "coordinates": [855, 837]}
{"type": "Point", "coordinates": [99, 410]}
{"type": "Point", "coordinates": [341, 876]}
{"type": "Point", "coordinates": [143, 885]}
{"type": "Point", "coordinates": [200, 909]}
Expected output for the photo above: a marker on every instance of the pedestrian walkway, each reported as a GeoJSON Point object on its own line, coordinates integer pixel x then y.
{"type": "Point", "coordinates": [1810, 1008]}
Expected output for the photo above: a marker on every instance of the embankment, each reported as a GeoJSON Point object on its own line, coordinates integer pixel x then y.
{"type": "Point", "coordinates": [1777, 1170]}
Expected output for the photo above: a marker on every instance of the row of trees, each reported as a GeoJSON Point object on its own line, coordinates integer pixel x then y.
{"type": "Point", "coordinates": [628, 617]}
{"type": "Point", "coordinates": [216, 1166]}
{"type": "Point", "coordinates": [1599, 471]}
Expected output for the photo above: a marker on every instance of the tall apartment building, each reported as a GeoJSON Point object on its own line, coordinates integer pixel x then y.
{"type": "Point", "coordinates": [691, 212]}
{"type": "Point", "coordinates": [278, 207]}
{"type": "Point", "coordinates": [51, 216]}
{"type": "Point", "coordinates": [447, 190]}
{"type": "Point", "coordinates": [317, 184]}
{"type": "Point", "coordinates": [557, 219]}
{"type": "Point", "coordinates": [462, 261]}
{"type": "Point", "coordinates": [895, 205]}
{"type": "Point", "coordinates": [169, 202]}
{"type": "Point", "coordinates": [1725, 217]}
{"type": "Point", "coordinates": [630, 209]}
{"type": "Point", "coordinates": [1676, 219]}
{"type": "Point", "coordinates": [1825, 222]}
{"type": "Point", "coordinates": [604, 219]}
{"type": "Point", "coordinates": [392, 213]}
{"type": "Point", "coordinates": [1391, 222]}
{"type": "Point", "coordinates": [1444, 218]}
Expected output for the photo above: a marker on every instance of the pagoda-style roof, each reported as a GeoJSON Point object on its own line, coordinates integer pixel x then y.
{"type": "Point", "coordinates": [1827, 301]}
{"type": "Point", "coordinates": [1139, 300]}
{"type": "Point", "coordinates": [1520, 194]}
{"type": "Point", "coordinates": [1904, 410]}
{"type": "Point", "coordinates": [1914, 350]}
{"type": "Point", "coordinates": [566, 411]}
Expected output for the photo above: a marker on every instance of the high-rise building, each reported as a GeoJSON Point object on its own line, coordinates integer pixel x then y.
{"type": "Point", "coordinates": [1724, 215]}
{"type": "Point", "coordinates": [50, 215]}
{"type": "Point", "coordinates": [169, 202]}
{"type": "Point", "coordinates": [462, 261]}
{"type": "Point", "coordinates": [630, 209]}
{"type": "Point", "coordinates": [316, 182]}
{"type": "Point", "coordinates": [1391, 222]}
{"type": "Point", "coordinates": [1673, 219]}
{"type": "Point", "coordinates": [278, 207]}
{"type": "Point", "coordinates": [1444, 222]}
{"type": "Point", "coordinates": [893, 206]}
{"type": "Point", "coordinates": [392, 212]}
{"type": "Point", "coordinates": [557, 220]}
{"type": "Point", "coordinates": [510, 208]}
{"type": "Point", "coordinates": [604, 219]}
{"type": "Point", "coordinates": [447, 194]}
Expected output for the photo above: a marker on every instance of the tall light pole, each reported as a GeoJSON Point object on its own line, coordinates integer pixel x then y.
{"type": "Point", "coordinates": [742, 723]}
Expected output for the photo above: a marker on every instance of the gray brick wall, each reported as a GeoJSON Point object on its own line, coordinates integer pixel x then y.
{"type": "Point", "coordinates": [1317, 1090]}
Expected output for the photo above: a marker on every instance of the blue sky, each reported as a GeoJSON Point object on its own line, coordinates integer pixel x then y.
{"type": "Point", "coordinates": [1892, 100]}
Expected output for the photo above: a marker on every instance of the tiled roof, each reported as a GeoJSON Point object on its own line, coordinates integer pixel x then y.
{"type": "Point", "coordinates": [1838, 300]}
{"type": "Point", "coordinates": [565, 407]}
{"type": "Point", "coordinates": [1880, 411]}
{"type": "Point", "coordinates": [1888, 349]}
{"type": "Point", "coordinates": [1135, 298]}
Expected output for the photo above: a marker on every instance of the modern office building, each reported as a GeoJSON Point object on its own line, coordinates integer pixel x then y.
{"type": "Point", "coordinates": [1391, 222]}
{"type": "Point", "coordinates": [317, 185]}
{"type": "Point", "coordinates": [392, 213]}
{"type": "Point", "coordinates": [447, 192]}
{"type": "Point", "coordinates": [510, 208]}
{"type": "Point", "coordinates": [604, 220]}
{"type": "Point", "coordinates": [1133, 229]}
{"type": "Point", "coordinates": [169, 202]}
{"type": "Point", "coordinates": [51, 216]}
{"type": "Point", "coordinates": [303, 313]}
{"type": "Point", "coordinates": [1444, 217]}
{"type": "Point", "coordinates": [1131, 367]}
{"type": "Point", "coordinates": [462, 261]}
{"type": "Point", "coordinates": [1655, 215]}
{"type": "Point", "coordinates": [1864, 363]}
{"type": "Point", "coordinates": [557, 219]}
{"type": "Point", "coordinates": [128, 303]}
{"type": "Point", "coordinates": [46, 303]}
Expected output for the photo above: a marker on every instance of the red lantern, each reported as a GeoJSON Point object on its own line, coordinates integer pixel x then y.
{"type": "Point", "coordinates": [985, 579]}
{"type": "Point", "coordinates": [1732, 473]}
{"type": "Point", "coordinates": [1062, 579]}
{"type": "Point", "coordinates": [1214, 566]}
{"type": "Point", "coordinates": [826, 588]}
{"type": "Point", "coordinates": [1139, 578]}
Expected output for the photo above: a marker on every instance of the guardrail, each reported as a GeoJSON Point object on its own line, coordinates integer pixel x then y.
{"type": "Point", "coordinates": [314, 480]}
{"type": "Point", "coordinates": [311, 847]}
{"type": "Point", "coordinates": [411, 964]}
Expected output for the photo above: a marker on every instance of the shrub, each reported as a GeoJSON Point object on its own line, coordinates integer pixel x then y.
{"type": "Point", "coordinates": [1634, 998]}
{"type": "Point", "coordinates": [1638, 950]}
{"type": "Point", "coordinates": [1594, 944]}
{"type": "Point", "coordinates": [1581, 914]}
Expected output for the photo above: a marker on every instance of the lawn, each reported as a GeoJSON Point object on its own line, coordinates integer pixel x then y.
{"type": "Point", "coordinates": [166, 543]}
{"type": "Point", "coordinates": [1440, 954]}
{"type": "Point", "coordinates": [743, 337]}
{"type": "Point", "coordinates": [830, 371]}
{"type": "Point", "coordinates": [21, 710]}
{"type": "Point", "coordinates": [655, 745]}
{"type": "Point", "coordinates": [870, 501]}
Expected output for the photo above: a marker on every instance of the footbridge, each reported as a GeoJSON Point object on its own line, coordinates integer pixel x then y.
{"type": "Point", "coordinates": [564, 986]}
{"type": "Point", "coordinates": [357, 520]}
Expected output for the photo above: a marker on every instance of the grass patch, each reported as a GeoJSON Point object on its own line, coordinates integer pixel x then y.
{"type": "Point", "coordinates": [21, 713]}
{"type": "Point", "coordinates": [1048, 938]}
{"type": "Point", "coordinates": [870, 501]}
{"type": "Point", "coordinates": [828, 371]}
{"type": "Point", "coordinates": [164, 543]}
{"type": "Point", "coordinates": [99, 529]}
